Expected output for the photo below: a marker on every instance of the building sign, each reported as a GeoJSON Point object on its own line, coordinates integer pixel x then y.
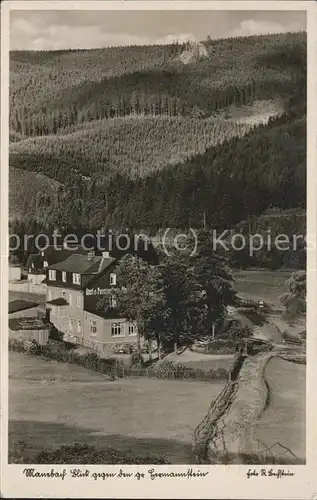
{"type": "Point", "coordinates": [97, 291]}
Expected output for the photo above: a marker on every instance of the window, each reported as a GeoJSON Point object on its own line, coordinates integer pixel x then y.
{"type": "Point", "coordinates": [78, 301]}
{"type": "Point", "coordinates": [78, 326]}
{"type": "Point", "coordinates": [64, 276]}
{"type": "Point", "coordinates": [32, 265]}
{"type": "Point", "coordinates": [93, 327]}
{"type": "Point", "coordinates": [52, 275]}
{"type": "Point", "coordinates": [116, 329]}
{"type": "Point", "coordinates": [113, 279]}
{"type": "Point", "coordinates": [71, 324]}
{"type": "Point", "coordinates": [42, 253]}
{"type": "Point", "coordinates": [45, 263]}
{"type": "Point", "coordinates": [113, 302]}
{"type": "Point", "coordinates": [76, 279]}
{"type": "Point", "coordinates": [70, 299]}
{"type": "Point", "coordinates": [63, 313]}
{"type": "Point", "coordinates": [131, 330]}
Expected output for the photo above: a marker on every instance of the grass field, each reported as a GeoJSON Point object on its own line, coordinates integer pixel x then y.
{"type": "Point", "coordinates": [261, 284]}
{"type": "Point", "coordinates": [283, 421]}
{"type": "Point", "coordinates": [53, 404]}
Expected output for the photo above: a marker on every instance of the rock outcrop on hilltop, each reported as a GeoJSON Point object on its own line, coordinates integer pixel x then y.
{"type": "Point", "coordinates": [193, 53]}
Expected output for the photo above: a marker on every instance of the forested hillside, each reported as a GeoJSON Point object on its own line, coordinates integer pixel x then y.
{"type": "Point", "coordinates": [129, 146]}
{"type": "Point", "coordinates": [51, 90]}
{"type": "Point", "coordinates": [25, 189]}
{"type": "Point", "coordinates": [137, 138]}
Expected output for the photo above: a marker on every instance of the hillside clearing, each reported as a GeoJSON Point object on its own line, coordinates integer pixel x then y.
{"type": "Point", "coordinates": [132, 145]}
{"type": "Point", "coordinates": [261, 284]}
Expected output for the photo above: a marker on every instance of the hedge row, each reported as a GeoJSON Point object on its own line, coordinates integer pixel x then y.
{"type": "Point", "coordinates": [177, 371]}
{"type": "Point", "coordinates": [78, 454]}
{"type": "Point", "coordinates": [114, 367]}
{"type": "Point", "coordinates": [218, 346]}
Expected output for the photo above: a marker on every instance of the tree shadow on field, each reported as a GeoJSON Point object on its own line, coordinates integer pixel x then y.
{"type": "Point", "coordinates": [37, 435]}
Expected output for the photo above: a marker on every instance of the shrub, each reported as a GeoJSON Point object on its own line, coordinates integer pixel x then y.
{"type": "Point", "coordinates": [73, 357]}
{"type": "Point", "coordinates": [111, 366]}
{"type": "Point", "coordinates": [170, 370]}
{"type": "Point", "coordinates": [32, 347]}
{"type": "Point", "coordinates": [16, 345]}
{"type": "Point", "coordinates": [221, 346]}
{"type": "Point", "coordinates": [91, 361]}
{"type": "Point", "coordinates": [137, 359]}
{"type": "Point", "coordinates": [114, 366]}
{"type": "Point", "coordinates": [237, 331]}
{"type": "Point", "coordinates": [219, 343]}
{"type": "Point", "coordinates": [57, 352]}
{"type": "Point", "coordinates": [79, 454]}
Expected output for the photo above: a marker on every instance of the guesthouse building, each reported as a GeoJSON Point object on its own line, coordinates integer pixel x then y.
{"type": "Point", "coordinates": [81, 303]}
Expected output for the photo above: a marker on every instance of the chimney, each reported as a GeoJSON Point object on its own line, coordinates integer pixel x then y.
{"type": "Point", "coordinates": [90, 255]}
{"type": "Point", "coordinates": [104, 255]}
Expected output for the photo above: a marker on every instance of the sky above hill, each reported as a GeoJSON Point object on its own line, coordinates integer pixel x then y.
{"type": "Point", "coordinates": [55, 30]}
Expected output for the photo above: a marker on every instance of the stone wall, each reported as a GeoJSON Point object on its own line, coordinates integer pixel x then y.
{"type": "Point", "coordinates": [225, 433]}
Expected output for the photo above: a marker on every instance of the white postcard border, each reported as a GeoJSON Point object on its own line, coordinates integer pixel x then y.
{"type": "Point", "coordinates": [222, 481]}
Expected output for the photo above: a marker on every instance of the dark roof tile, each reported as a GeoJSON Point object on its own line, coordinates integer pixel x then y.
{"type": "Point", "coordinates": [60, 301]}
{"type": "Point", "coordinates": [28, 324]}
{"type": "Point", "coordinates": [107, 314]}
{"type": "Point", "coordinates": [79, 263]}
{"type": "Point", "coordinates": [20, 305]}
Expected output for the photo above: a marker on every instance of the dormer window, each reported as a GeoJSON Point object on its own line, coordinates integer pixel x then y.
{"type": "Point", "coordinates": [45, 263]}
{"type": "Point", "coordinates": [76, 279]}
{"type": "Point", "coordinates": [113, 279]}
{"type": "Point", "coordinates": [52, 275]}
{"type": "Point", "coordinates": [64, 276]}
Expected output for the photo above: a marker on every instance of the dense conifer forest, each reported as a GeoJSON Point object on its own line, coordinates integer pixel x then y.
{"type": "Point", "coordinates": [133, 137]}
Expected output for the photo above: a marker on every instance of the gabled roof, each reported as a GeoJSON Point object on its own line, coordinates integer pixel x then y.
{"type": "Point", "coordinates": [60, 301]}
{"type": "Point", "coordinates": [28, 324]}
{"type": "Point", "coordinates": [52, 255]}
{"type": "Point", "coordinates": [20, 305]}
{"type": "Point", "coordinates": [107, 314]}
{"type": "Point", "coordinates": [81, 264]}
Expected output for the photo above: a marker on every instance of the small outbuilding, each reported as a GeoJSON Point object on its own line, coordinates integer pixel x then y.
{"type": "Point", "coordinates": [25, 309]}
{"type": "Point", "coordinates": [30, 329]}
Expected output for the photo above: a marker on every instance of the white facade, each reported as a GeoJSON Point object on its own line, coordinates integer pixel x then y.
{"type": "Point", "coordinates": [14, 273]}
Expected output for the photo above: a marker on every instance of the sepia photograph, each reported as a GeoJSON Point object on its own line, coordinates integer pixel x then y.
{"type": "Point", "coordinates": [157, 239]}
